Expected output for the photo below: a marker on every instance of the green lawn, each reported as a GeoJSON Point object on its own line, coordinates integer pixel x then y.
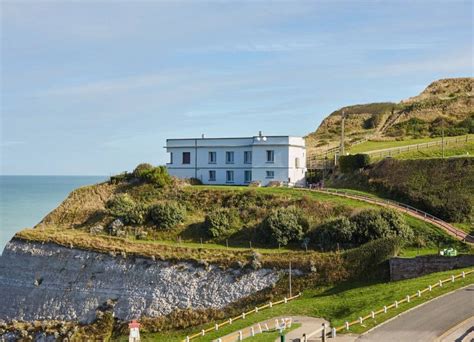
{"type": "Point", "coordinates": [344, 302]}
{"type": "Point", "coordinates": [378, 145]}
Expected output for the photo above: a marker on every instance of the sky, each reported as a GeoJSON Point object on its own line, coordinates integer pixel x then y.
{"type": "Point", "coordinates": [96, 87]}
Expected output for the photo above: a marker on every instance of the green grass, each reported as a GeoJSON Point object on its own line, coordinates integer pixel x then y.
{"type": "Point", "coordinates": [437, 152]}
{"type": "Point", "coordinates": [344, 302]}
{"type": "Point", "coordinates": [271, 336]}
{"type": "Point", "coordinates": [378, 145]}
{"type": "Point", "coordinates": [294, 193]}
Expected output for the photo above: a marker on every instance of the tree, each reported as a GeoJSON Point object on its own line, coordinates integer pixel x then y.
{"type": "Point", "coordinates": [284, 225]}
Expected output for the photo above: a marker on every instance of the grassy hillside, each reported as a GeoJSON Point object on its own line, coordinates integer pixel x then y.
{"type": "Point", "coordinates": [444, 105]}
{"type": "Point", "coordinates": [442, 187]}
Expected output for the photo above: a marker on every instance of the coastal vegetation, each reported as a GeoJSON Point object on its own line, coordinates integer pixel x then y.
{"type": "Point", "coordinates": [442, 187]}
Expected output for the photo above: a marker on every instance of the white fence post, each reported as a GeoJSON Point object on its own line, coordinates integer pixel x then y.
{"type": "Point", "coordinates": [217, 326]}
{"type": "Point", "coordinates": [396, 304]}
{"type": "Point", "coordinates": [187, 338]}
{"type": "Point", "coordinates": [384, 309]}
{"type": "Point", "coordinates": [429, 287]}
{"type": "Point", "coordinates": [203, 332]}
{"type": "Point", "coordinates": [286, 300]}
{"type": "Point", "coordinates": [440, 283]}
{"type": "Point", "coordinates": [373, 314]}
{"type": "Point", "coordinates": [230, 320]}
{"type": "Point", "coordinates": [463, 274]}
{"type": "Point", "coordinates": [419, 293]}
{"type": "Point", "coordinates": [408, 298]}
{"type": "Point", "coordinates": [452, 279]}
{"type": "Point", "coordinates": [360, 320]}
{"type": "Point", "coordinates": [347, 325]}
{"type": "Point", "coordinates": [240, 335]}
{"type": "Point", "coordinates": [243, 315]}
{"type": "Point", "coordinates": [333, 332]}
{"type": "Point", "coordinates": [256, 309]}
{"type": "Point", "coordinates": [324, 332]}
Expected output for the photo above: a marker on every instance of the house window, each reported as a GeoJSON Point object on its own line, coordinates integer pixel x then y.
{"type": "Point", "coordinates": [247, 176]}
{"type": "Point", "coordinates": [171, 158]}
{"type": "Point", "coordinates": [229, 176]}
{"type": "Point", "coordinates": [212, 175]}
{"type": "Point", "coordinates": [247, 157]}
{"type": "Point", "coordinates": [270, 174]}
{"type": "Point", "coordinates": [229, 157]}
{"type": "Point", "coordinates": [270, 156]}
{"type": "Point", "coordinates": [212, 157]}
{"type": "Point", "coordinates": [186, 157]}
{"type": "Point", "coordinates": [297, 162]}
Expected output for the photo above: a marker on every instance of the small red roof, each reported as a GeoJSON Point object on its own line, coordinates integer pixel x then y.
{"type": "Point", "coordinates": [134, 324]}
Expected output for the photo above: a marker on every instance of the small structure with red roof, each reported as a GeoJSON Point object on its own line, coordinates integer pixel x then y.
{"type": "Point", "coordinates": [134, 327]}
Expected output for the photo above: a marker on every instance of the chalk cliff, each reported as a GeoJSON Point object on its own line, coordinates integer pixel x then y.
{"type": "Point", "coordinates": [47, 281]}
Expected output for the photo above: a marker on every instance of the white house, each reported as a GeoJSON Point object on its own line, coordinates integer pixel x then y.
{"type": "Point", "coordinates": [239, 160]}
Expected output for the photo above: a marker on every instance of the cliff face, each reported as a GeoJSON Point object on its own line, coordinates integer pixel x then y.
{"type": "Point", "coordinates": [47, 281]}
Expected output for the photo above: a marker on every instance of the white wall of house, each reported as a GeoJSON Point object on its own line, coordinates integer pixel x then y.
{"type": "Point", "coordinates": [273, 158]}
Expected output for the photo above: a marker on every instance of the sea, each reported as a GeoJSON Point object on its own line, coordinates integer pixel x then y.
{"type": "Point", "coordinates": [25, 200]}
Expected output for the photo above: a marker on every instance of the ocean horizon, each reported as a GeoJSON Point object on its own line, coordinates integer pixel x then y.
{"type": "Point", "coordinates": [25, 200]}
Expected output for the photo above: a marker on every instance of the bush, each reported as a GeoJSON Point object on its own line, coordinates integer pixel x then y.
{"type": "Point", "coordinates": [337, 231]}
{"type": "Point", "coordinates": [353, 162]}
{"type": "Point", "coordinates": [363, 227]}
{"type": "Point", "coordinates": [375, 224]}
{"type": "Point", "coordinates": [284, 225]}
{"type": "Point", "coordinates": [142, 169]}
{"type": "Point", "coordinates": [369, 260]}
{"type": "Point", "coordinates": [154, 175]}
{"type": "Point", "coordinates": [221, 222]}
{"type": "Point", "coordinates": [167, 214]}
{"type": "Point", "coordinates": [124, 207]}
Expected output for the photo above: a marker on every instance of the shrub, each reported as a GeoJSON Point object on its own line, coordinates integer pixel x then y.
{"type": "Point", "coordinates": [124, 207]}
{"type": "Point", "coordinates": [337, 231]}
{"type": "Point", "coordinates": [375, 224]}
{"type": "Point", "coordinates": [368, 260]}
{"type": "Point", "coordinates": [154, 175]}
{"type": "Point", "coordinates": [221, 222]}
{"type": "Point", "coordinates": [353, 162]}
{"type": "Point", "coordinates": [142, 169]}
{"type": "Point", "coordinates": [167, 214]}
{"type": "Point", "coordinates": [284, 225]}
{"type": "Point", "coordinates": [363, 227]}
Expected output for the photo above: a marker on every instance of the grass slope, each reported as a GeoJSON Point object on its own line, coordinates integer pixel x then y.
{"type": "Point", "coordinates": [338, 304]}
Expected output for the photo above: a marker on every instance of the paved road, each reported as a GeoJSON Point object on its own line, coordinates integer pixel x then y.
{"type": "Point", "coordinates": [427, 322]}
{"type": "Point", "coordinates": [461, 333]}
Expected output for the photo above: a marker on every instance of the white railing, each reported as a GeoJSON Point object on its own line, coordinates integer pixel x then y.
{"type": "Point", "coordinates": [243, 315]}
{"type": "Point", "coordinates": [395, 304]}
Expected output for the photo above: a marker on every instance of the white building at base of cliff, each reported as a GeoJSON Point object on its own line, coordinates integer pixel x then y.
{"type": "Point", "coordinates": [239, 161]}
